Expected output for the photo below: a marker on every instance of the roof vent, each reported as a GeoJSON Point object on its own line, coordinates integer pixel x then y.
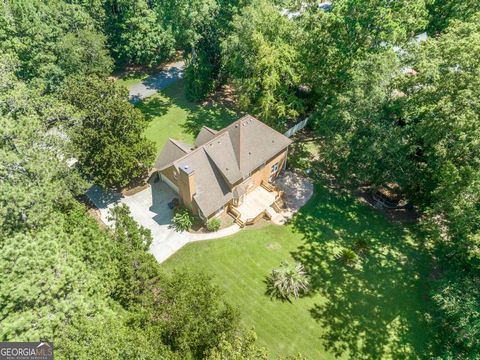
{"type": "Point", "coordinates": [249, 153]}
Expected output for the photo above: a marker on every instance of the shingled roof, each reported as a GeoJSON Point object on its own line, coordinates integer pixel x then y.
{"type": "Point", "coordinates": [224, 158]}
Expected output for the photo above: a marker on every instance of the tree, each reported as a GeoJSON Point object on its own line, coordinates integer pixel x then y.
{"type": "Point", "coordinates": [333, 41]}
{"type": "Point", "coordinates": [43, 243]}
{"type": "Point", "coordinates": [288, 280]}
{"type": "Point", "coordinates": [204, 60]}
{"type": "Point", "coordinates": [136, 34]}
{"type": "Point", "coordinates": [263, 64]}
{"type": "Point", "coordinates": [137, 268]}
{"type": "Point", "coordinates": [241, 347]}
{"type": "Point", "coordinates": [442, 12]}
{"type": "Point", "coordinates": [108, 140]}
{"type": "Point", "coordinates": [358, 127]}
{"type": "Point", "coordinates": [108, 337]}
{"type": "Point", "coordinates": [53, 40]}
{"type": "Point", "coordinates": [84, 52]}
{"type": "Point", "coordinates": [188, 19]}
{"type": "Point", "coordinates": [188, 313]}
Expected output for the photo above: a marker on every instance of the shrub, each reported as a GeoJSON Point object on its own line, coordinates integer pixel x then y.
{"type": "Point", "coordinates": [361, 246]}
{"type": "Point", "coordinates": [182, 220]}
{"type": "Point", "coordinates": [213, 225]}
{"type": "Point", "coordinates": [288, 280]}
{"type": "Point", "coordinates": [348, 257]}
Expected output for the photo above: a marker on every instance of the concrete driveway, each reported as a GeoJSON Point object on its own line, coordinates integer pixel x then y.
{"type": "Point", "coordinates": [148, 87]}
{"type": "Point", "coordinates": [149, 208]}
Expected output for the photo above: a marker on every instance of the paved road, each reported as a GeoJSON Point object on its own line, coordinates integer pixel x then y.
{"type": "Point", "coordinates": [154, 83]}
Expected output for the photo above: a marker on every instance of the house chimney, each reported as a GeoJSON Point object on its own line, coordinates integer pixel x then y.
{"type": "Point", "coordinates": [187, 184]}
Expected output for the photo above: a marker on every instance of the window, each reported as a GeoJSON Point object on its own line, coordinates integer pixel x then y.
{"type": "Point", "coordinates": [274, 168]}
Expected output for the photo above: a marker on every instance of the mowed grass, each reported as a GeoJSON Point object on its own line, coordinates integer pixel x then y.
{"type": "Point", "coordinates": [376, 309]}
{"type": "Point", "coordinates": [171, 115]}
{"type": "Point", "coordinates": [131, 78]}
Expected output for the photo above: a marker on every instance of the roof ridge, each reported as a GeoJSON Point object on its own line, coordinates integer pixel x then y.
{"type": "Point", "coordinates": [177, 143]}
{"type": "Point", "coordinates": [212, 131]}
{"type": "Point", "coordinates": [200, 147]}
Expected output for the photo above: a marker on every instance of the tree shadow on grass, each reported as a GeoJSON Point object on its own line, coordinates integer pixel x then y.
{"type": "Point", "coordinates": [378, 308]}
{"type": "Point", "coordinates": [154, 107]}
{"type": "Point", "coordinates": [213, 116]}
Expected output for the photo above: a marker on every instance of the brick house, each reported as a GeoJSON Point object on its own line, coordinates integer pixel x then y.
{"type": "Point", "coordinates": [223, 166]}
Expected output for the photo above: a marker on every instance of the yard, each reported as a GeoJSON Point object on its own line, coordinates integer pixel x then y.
{"type": "Point", "coordinates": [171, 115]}
{"type": "Point", "coordinates": [377, 309]}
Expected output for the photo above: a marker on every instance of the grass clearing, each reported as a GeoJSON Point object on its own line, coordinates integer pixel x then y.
{"type": "Point", "coordinates": [171, 115]}
{"type": "Point", "coordinates": [377, 309]}
{"type": "Point", "coordinates": [130, 79]}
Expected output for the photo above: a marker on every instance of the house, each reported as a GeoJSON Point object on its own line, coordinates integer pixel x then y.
{"type": "Point", "coordinates": [223, 166]}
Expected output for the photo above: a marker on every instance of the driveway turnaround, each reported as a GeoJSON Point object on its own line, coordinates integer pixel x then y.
{"type": "Point", "coordinates": [150, 209]}
{"type": "Point", "coordinates": [154, 83]}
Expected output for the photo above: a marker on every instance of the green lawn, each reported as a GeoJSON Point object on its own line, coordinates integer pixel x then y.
{"type": "Point", "coordinates": [131, 78]}
{"type": "Point", "coordinates": [376, 310]}
{"type": "Point", "coordinates": [171, 115]}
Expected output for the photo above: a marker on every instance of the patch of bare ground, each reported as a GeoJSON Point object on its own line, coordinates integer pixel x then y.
{"type": "Point", "coordinates": [223, 96]}
{"type": "Point", "coordinates": [403, 214]}
{"type": "Point", "coordinates": [92, 210]}
{"type": "Point", "coordinates": [138, 185]}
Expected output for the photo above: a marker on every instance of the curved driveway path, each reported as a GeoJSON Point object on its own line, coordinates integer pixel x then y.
{"type": "Point", "coordinates": [148, 87]}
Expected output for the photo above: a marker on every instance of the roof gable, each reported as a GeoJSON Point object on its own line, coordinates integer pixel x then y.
{"type": "Point", "coordinates": [221, 152]}
{"type": "Point", "coordinates": [173, 150]}
{"type": "Point", "coordinates": [205, 135]}
{"type": "Point", "coordinates": [254, 142]}
{"type": "Point", "coordinates": [229, 156]}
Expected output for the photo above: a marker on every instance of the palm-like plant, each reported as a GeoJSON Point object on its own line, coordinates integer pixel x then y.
{"type": "Point", "coordinates": [347, 256]}
{"type": "Point", "coordinates": [288, 279]}
{"type": "Point", "coordinates": [361, 246]}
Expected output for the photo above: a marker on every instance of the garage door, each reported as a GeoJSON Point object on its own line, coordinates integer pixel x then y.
{"type": "Point", "coordinates": [169, 183]}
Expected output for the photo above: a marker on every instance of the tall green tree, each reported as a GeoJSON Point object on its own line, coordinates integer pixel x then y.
{"type": "Point", "coordinates": [137, 35]}
{"type": "Point", "coordinates": [334, 39]}
{"type": "Point", "coordinates": [53, 40]}
{"type": "Point", "coordinates": [44, 247]}
{"type": "Point", "coordinates": [108, 139]}
{"type": "Point", "coordinates": [204, 61]}
{"type": "Point", "coordinates": [442, 12]}
{"type": "Point", "coordinates": [191, 327]}
{"type": "Point", "coordinates": [262, 61]}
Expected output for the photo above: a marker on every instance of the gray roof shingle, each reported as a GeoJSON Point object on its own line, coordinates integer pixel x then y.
{"type": "Point", "coordinates": [224, 158]}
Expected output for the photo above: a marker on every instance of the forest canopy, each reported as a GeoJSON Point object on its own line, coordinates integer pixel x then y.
{"type": "Point", "coordinates": [385, 107]}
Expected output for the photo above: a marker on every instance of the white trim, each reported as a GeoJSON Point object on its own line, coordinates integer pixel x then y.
{"type": "Point", "coordinates": [274, 168]}
{"type": "Point", "coordinates": [169, 183]}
